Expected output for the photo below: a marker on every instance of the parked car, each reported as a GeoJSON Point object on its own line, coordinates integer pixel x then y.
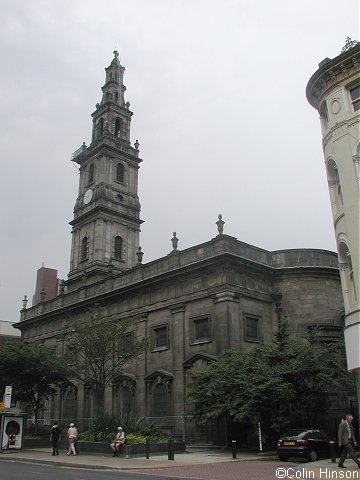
{"type": "Point", "coordinates": [305, 443]}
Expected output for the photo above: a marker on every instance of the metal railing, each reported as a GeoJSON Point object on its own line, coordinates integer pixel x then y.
{"type": "Point", "coordinates": [180, 428]}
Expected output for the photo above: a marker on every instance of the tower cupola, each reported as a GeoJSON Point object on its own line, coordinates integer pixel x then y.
{"type": "Point", "coordinates": [114, 88]}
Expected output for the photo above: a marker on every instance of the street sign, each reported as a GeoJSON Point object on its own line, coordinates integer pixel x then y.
{"type": "Point", "coordinates": [7, 396]}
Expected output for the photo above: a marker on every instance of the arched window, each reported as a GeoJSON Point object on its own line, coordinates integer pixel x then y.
{"type": "Point", "coordinates": [324, 113]}
{"type": "Point", "coordinates": [356, 158]}
{"type": "Point", "coordinates": [120, 172]}
{"type": "Point", "coordinates": [70, 403]}
{"type": "Point", "coordinates": [123, 395]}
{"type": "Point", "coordinates": [118, 248]}
{"type": "Point", "coordinates": [100, 127]}
{"type": "Point", "coordinates": [334, 180]}
{"type": "Point", "coordinates": [84, 248]}
{"type": "Point", "coordinates": [87, 401]}
{"type": "Point", "coordinates": [347, 273]}
{"type": "Point", "coordinates": [355, 97]}
{"type": "Point", "coordinates": [91, 173]}
{"type": "Point", "coordinates": [117, 127]}
{"type": "Point", "coordinates": [126, 401]}
{"type": "Point", "coordinates": [160, 400]}
{"type": "Point", "coordinates": [116, 97]}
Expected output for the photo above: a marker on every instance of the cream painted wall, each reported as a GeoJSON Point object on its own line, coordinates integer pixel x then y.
{"type": "Point", "coordinates": [329, 92]}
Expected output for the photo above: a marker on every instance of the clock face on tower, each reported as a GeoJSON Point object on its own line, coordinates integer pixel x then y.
{"type": "Point", "coordinates": [88, 196]}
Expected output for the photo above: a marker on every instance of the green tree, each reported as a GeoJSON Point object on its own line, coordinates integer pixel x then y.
{"type": "Point", "coordinates": [100, 346]}
{"type": "Point", "coordinates": [276, 384]}
{"type": "Point", "coordinates": [33, 370]}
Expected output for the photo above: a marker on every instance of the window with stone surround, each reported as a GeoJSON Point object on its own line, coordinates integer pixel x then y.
{"type": "Point", "coordinates": [252, 328]}
{"type": "Point", "coordinates": [355, 97]}
{"type": "Point", "coordinates": [201, 330]}
{"type": "Point", "coordinates": [161, 402]}
{"type": "Point", "coordinates": [100, 128]}
{"type": "Point", "coordinates": [84, 249]}
{"type": "Point", "coordinates": [118, 243]}
{"type": "Point", "coordinates": [324, 113]}
{"type": "Point", "coordinates": [71, 355]}
{"type": "Point", "coordinates": [91, 173]}
{"type": "Point", "coordinates": [125, 347]}
{"type": "Point", "coordinates": [70, 402]}
{"type": "Point", "coordinates": [127, 402]}
{"type": "Point", "coordinates": [160, 335]}
{"type": "Point", "coordinates": [117, 122]}
{"type": "Point", "coordinates": [347, 273]}
{"type": "Point", "coordinates": [123, 395]}
{"type": "Point", "coordinates": [334, 182]}
{"type": "Point", "coordinates": [120, 172]}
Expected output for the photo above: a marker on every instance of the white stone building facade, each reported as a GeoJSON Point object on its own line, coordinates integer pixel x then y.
{"type": "Point", "coordinates": [334, 90]}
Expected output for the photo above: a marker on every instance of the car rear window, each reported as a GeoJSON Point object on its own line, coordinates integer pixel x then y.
{"type": "Point", "coordinates": [294, 433]}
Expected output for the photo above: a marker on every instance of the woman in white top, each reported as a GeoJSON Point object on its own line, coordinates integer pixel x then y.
{"type": "Point", "coordinates": [72, 434]}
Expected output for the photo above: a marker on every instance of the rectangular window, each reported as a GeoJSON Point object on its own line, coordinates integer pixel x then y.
{"type": "Point", "coordinates": [125, 345]}
{"type": "Point", "coordinates": [355, 97]}
{"type": "Point", "coordinates": [201, 329]}
{"type": "Point", "coordinates": [324, 113]}
{"type": "Point", "coordinates": [252, 328]}
{"type": "Point", "coordinates": [350, 265]}
{"type": "Point", "coordinates": [160, 337]}
{"type": "Point", "coordinates": [71, 355]}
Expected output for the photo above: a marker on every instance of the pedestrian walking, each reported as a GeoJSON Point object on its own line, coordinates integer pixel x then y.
{"type": "Point", "coordinates": [55, 437]}
{"type": "Point", "coordinates": [72, 434]}
{"type": "Point", "coordinates": [347, 441]}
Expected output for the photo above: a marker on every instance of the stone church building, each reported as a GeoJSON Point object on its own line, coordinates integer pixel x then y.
{"type": "Point", "coordinates": [194, 303]}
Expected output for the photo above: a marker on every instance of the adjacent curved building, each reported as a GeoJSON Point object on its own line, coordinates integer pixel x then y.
{"type": "Point", "coordinates": [334, 90]}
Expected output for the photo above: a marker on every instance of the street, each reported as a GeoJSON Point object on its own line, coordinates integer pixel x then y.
{"type": "Point", "coordinates": [251, 470]}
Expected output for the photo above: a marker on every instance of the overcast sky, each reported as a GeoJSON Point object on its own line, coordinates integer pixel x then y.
{"type": "Point", "coordinates": [218, 95]}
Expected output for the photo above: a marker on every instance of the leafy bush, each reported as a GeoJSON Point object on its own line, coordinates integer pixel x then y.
{"type": "Point", "coordinates": [136, 429]}
{"type": "Point", "coordinates": [135, 439]}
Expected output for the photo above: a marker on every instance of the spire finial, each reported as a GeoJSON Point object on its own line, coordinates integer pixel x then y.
{"type": "Point", "coordinates": [116, 53]}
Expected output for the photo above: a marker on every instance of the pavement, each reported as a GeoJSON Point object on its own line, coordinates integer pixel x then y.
{"type": "Point", "coordinates": [104, 461]}
{"type": "Point", "coordinates": [316, 470]}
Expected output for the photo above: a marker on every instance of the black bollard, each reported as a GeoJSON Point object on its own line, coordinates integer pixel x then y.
{"type": "Point", "coordinates": [147, 447]}
{"type": "Point", "coordinates": [233, 445]}
{"type": "Point", "coordinates": [332, 451]}
{"type": "Point", "coordinates": [171, 449]}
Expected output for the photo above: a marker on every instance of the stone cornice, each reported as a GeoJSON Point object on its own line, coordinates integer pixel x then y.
{"type": "Point", "coordinates": [223, 251]}
{"type": "Point", "coordinates": [332, 72]}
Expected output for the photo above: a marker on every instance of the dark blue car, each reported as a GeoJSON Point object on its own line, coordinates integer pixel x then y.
{"type": "Point", "coordinates": [307, 443]}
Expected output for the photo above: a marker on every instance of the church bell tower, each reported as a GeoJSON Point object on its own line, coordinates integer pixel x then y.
{"type": "Point", "coordinates": [106, 224]}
